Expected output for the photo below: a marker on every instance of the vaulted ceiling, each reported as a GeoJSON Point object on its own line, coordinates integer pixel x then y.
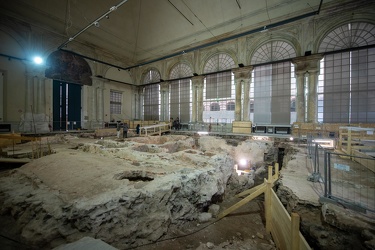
{"type": "Point", "coordinates": [138, 31]}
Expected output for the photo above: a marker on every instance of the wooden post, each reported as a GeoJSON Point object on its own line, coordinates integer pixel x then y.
{"type": "Point", "coordinates": [277, 170]}
{"type": "Point", "coordinates": [349, 147]}
{"type": "Point", "coordinates": [295, 231]}
{"type": "Point", "coordinates": [242, 202]}
{"type": "Point", "coordinates": [267, 199]}
{"type": "Point", "coordinates": [249, 191]}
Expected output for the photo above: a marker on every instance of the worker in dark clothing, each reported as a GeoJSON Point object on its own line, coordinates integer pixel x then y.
{"type": "Point", "coordinates": [138, 128]}
{"type": "Point", "coordinates": [125, 130]}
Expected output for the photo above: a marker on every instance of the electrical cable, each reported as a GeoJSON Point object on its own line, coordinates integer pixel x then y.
{"type": "Point", "coordinates": [180, 12]}
{"type": "Point", "coordinates": [177, 237]}
{"type": "Point", "coordinates": [181, 236]}
{"type": "Point", "coordinates": [198, 19]}
{"type": "Point", "coordinates": [269, 19]}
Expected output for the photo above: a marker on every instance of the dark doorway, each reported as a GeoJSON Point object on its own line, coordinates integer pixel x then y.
{"type": "Point", "coordinates": [66, 106]}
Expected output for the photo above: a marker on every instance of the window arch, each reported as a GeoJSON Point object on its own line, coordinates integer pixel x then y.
{"type": "Point", "coordinates": [270, 98]}
{"type": "Point", "coordinates": [219, 62]}
{"type": "Point", "coordinates": [347, 36]}
{"type": "Point", "coordinates": [151, 76]}
{"type": "Point", "coordinates": [180, 70]}
{"type": "Point", "coordinates": [346, 92]}
{"type": "Point", "coordinates": [273, 51]}
{"type": "Point", "coordinates": [218, 88]}
{"type": "Point", "coordinates": [180, 96]}
{"type": "Point", "coordinates": [151, 103]}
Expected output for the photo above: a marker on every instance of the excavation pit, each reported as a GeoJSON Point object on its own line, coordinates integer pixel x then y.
{"type": "Point", "coordinates": [134, 176]}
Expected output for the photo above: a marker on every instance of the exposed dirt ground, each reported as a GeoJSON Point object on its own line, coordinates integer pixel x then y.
{"type": "Point", "coordinates": [243, 229]}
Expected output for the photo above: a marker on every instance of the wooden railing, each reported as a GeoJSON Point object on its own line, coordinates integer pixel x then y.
{"type": "Point", "coordinates": [283, 227]}
{"type": "Point", "coordinates": [157, 129]}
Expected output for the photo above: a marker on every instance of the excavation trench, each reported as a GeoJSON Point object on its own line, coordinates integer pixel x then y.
{"type": "Point", "coordinates": [134, 192]}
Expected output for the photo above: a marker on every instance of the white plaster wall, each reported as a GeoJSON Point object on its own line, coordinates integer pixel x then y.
{"type": "Point", "coordinates": [13, 87]}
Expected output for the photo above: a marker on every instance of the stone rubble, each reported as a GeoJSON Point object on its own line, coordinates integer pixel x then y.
{"type": "Point", "coordinates": [125, 193]}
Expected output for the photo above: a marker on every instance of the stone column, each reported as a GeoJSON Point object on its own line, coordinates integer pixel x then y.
{"type": "Point", "coordinates": [312, 115]}
{"type": "Point", "coordinates": [100, 103]}
{"type": "Point", "coordinates": [242, 75]}
{"type": "Point", "coordinates": [246, 99]}
{"type": "Point", "coordinates": [141, 100]}
{"type": "Point", "coordinates": [194, 103]}
{"type": "Point", "coordinates": [300, 98]}
{"type": "Point", "coordinates": [310, 65]}
{"type": "Point", "coordinates": [97, 102]}
{"type": "Point", "coordinates": [29, 95]}
{"type": "Point", "coordinates": [135, 101]}
{"type": "Point", "coordinates": [238, 107]}
{"type": "Point", "coordinates": [198, 85]}
{"type": "Point", "coordinates": [41, 101]}
{"type": "Point", "coordinates": [164, 102]}
{"type": "Point", "coordinates": [92, 116]}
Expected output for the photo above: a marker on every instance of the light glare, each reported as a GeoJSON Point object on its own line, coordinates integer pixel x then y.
{"type": "Point", "coordinates": [243, 162]}
{"type": "Point", "coordinates": [38, 60]}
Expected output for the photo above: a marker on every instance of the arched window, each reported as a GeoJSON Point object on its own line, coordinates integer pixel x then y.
{"type": "Point", "coordinates": [218, 87]}
{"type": "Point", "coordinates": [180, 70]}
{"type": "Point", "coordinates": [273, 51]}
{"type": "Point", "coordinates": [219, 62]}
{"type": "Point", "coordinates": [270, 98]}
{"type": "Point", "coordinates": [348, 36]}
{"type": "Point", "coordinates": [180, 92]}
{"type": "Point", "coordinates": [151, 76]}
{"type": "Point", "coordinates": [346, 88]}
{"type": "Point", "coordinates": [151, 101]}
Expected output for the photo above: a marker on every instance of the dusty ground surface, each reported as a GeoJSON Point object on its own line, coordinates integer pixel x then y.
{"type": "Point", "coordinates": [85, 176]}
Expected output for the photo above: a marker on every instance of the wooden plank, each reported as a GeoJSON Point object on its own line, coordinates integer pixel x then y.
{"type": "Point", "coordinates": [241, 124]}
{"type": "Point", "coordinates": [249, 191]}
{"type": "Point", "coordinates": [268, 200]}
{"type": "Point", "coordinates": [242, 202]}
{"type": "Point", "coordinates": [19, 137]}
{"type": "Point", "coordinates": [14, 160]}
{"type": "Point", "coordinates": [268, 206]}
{"type": "Point", "coordinates": [241, 130]}
{"type": "Point", "coordinates": [295, 219]}
{"type": "Point", "coordinates": [278, 236]}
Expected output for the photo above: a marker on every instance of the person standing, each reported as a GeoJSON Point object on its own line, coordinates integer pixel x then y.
{"type": "Point", "coordinates": [118, 129]}
{"type": "Point", "coordinates": [137, 129]}
{"type": "Point", "coordinates": [125, 130]}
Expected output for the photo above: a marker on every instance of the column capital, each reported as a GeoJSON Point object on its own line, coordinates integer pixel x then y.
{"type": "Point", "coordinates": [243, 72]}
{"type": "Point", "coordinates": [307, 63]}
{"type": "Point", "coordinates": [197, 81]}
{"type": "Point", "coordinates": [164, 86]}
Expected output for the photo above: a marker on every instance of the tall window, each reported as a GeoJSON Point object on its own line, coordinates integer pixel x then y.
{"type": "Point", "coordinates": [273, 87]}
{"type": "Point", "coordinates": [180, 102]}
{"type": "Point", "coordinates": [346, 89]}
{"type": "Point", "coordinates": [115, 102]}
{"type": "Point", "coordinates": [219, 89]}
{"type": "Point", "coordinates": [151, 101]}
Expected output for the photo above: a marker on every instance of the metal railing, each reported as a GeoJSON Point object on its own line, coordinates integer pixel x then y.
{"type": "Point", "coordinates": [341, 177]}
